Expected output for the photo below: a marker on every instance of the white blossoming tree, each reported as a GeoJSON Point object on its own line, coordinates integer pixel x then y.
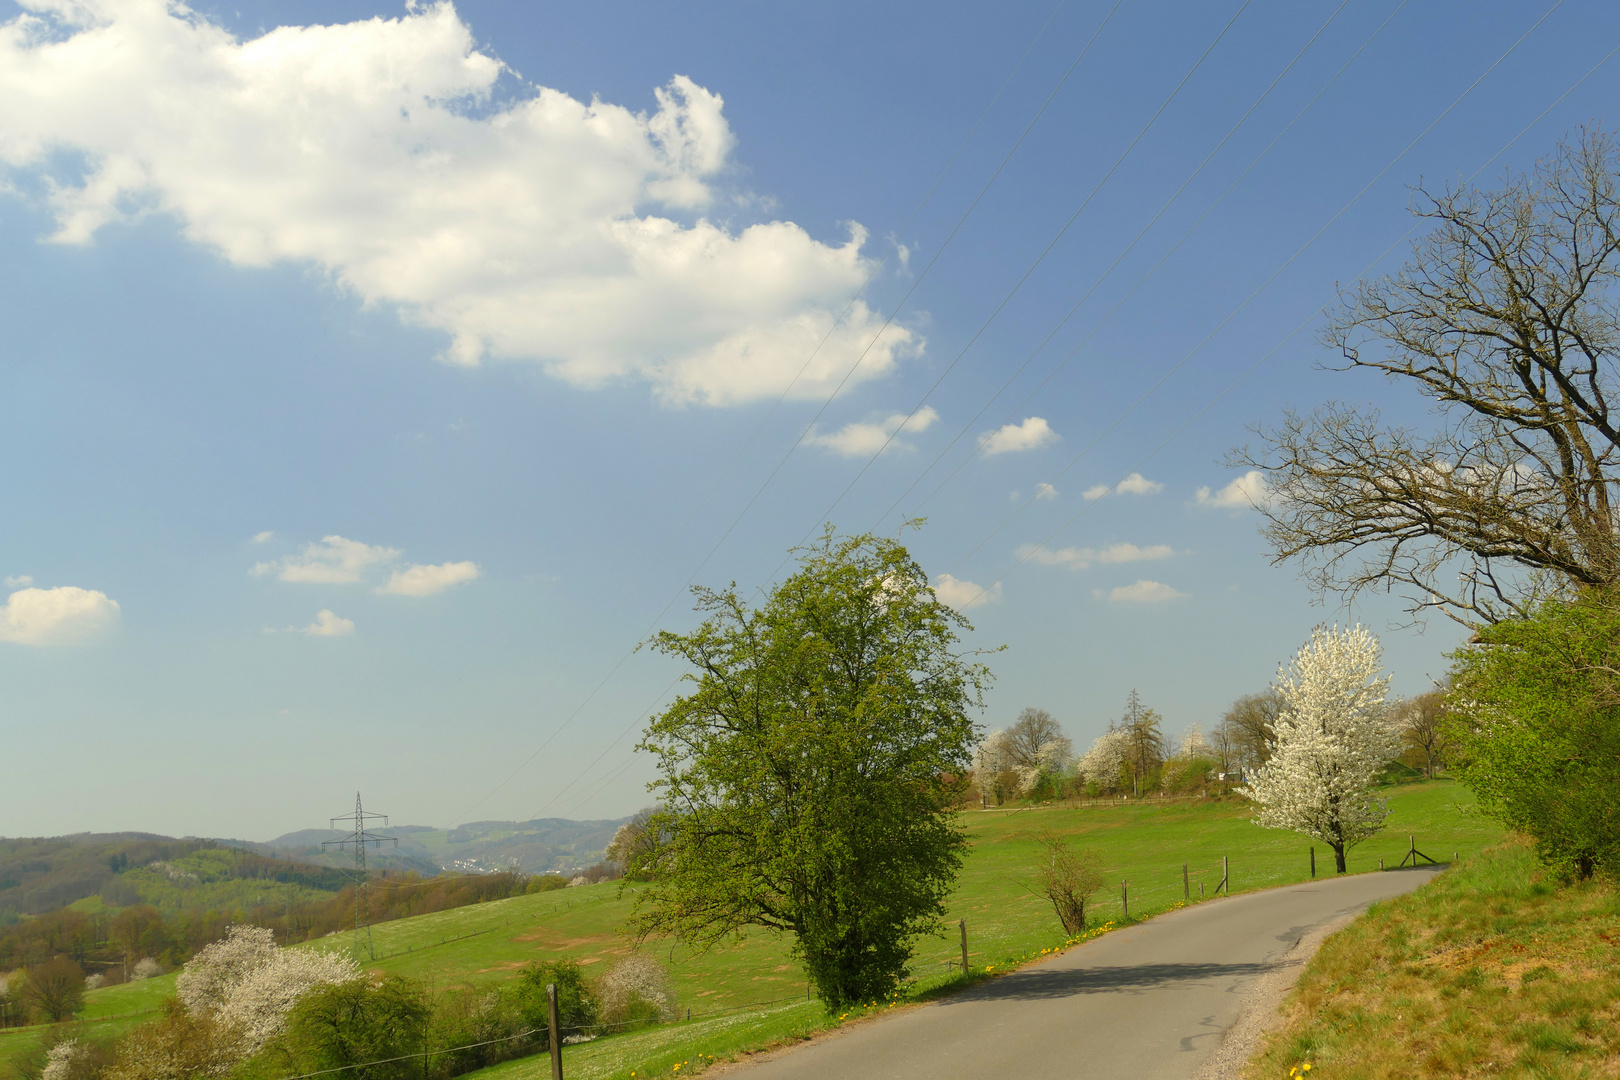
{"type": "Point", "coordinates": [247, 984]}
{"type": "Point", "coordinates": [992, 758]}
{"type": "Point", "coordinates": [1102, 763]}
{"type": "Point", "coordinates": [1331, 739]}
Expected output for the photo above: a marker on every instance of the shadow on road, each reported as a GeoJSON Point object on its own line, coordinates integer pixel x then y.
{"type": "Point", "coordinates": [1045, 985]}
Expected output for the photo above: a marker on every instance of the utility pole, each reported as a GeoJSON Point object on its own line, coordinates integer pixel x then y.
{"type": "Point", "coordinates": [358, 840]}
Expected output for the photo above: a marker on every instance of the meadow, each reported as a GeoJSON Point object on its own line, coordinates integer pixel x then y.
{"type": "Point", "coordinates": [750, 991]}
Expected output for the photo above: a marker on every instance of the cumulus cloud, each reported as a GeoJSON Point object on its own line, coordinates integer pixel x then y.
{"type": "Point", "coordinates": [1045, 491]}
{"type": "Point", "coordinates": [861, 439]}
{"type": "Point", "coordinates": [264, 537]}
{"type": "Point", "coordinates": [536, 228]}
{"type": "Point", "coordinates": [1134, 484]}
{"type": "Point", "coordinates": [1245, 493]}
{"type": "Point", "coordinates": [1143, 592]}
{"type": "Point", "coordinates": [425, 580]}
{"type": "Point", "coordinates": [962, 594]}
{"type": "Point", "coordinates": [59, 616]}
{"type": "Point", "coordinates": [333, 561]}
{"type": "Point", "coordinates": [329, 624]}
{"type": "Point", "coordinates": [1032, 434]}
{"type": "Point", "coordinates": [1085, 558]}
{"type": "Point", "coordinates": [19, 580]}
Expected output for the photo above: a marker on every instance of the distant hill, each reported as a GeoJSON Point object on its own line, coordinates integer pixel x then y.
{"type": "Point", "coordinates": [41, 874]}
{"type": "Point", "coordinates": [535, 847]}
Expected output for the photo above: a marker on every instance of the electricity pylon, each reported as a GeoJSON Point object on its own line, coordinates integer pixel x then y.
{"type": "Point", "coordinates": [358, 840]}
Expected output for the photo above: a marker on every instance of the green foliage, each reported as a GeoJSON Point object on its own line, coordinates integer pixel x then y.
{"type": "Point", "coordinates": [1536, 710]}
{"type": "Point", "coordinates": [577, 1008]}
{"type": "Point", "coordinates": [1069, 876]}
{"type": "Point", "coordinates": [54, 990]}
{"type": "Point", "coordinates": [349, 1025]}
{"type": "Point", "coordinates": [807, 779]}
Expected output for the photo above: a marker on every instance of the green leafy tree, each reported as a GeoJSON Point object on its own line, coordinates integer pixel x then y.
{"type": "Point", "coordinates": [1535, 708]}
{"type": "Point", "coordinates": [368, 1030]}
{"type": "Point", "coordinates": [55, 989]}
{"type": "Point", "coordinates": [807, 780]}
{"type": "Point", "coordinates": [577, 1009]}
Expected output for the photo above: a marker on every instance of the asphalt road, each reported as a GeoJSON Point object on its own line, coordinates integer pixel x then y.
{"type": "Point", "coordinates": [1152, 1002]}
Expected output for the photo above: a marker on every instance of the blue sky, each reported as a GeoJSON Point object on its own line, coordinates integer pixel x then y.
{"type": "Point", "coordinates": [376, 377]}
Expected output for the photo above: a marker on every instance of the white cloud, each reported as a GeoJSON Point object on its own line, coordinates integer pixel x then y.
{"type": "Point", "coordinates": [263, 537]}
{"type": "Point", "coordinates": [1143, 592]}
{"type": "Point", "coordinates": [19, 580]}
{"type": "Point", "coordinates": [962, 595]}
{"type": "Point", "coordinates": [1032, 434]}
{"type": "Point", "coordinates": [1085, 558]}
{"type": "Point", "coordinates": [425, 580]}
{"type": "Point", "coordinates": [1045, 491]}
{"type": "Point", "coordinates": [57, 616]}
{"type": "Point", "coordinates": [333, 561]}
{"type": "Point", "coordinates": [1245, 493]}
{"type": "Point", "coordinates": [856, 440]}
{"type": "Point", "coordinates": [329, 624]}
{"type": "Point", "coordinates": [1134, 484]}
{"type": "Point", "coordinates": [537, 228]}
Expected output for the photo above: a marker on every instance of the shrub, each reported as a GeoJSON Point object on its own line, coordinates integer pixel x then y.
{"type": "Point", "coordinates": [636, 990]}
{"type": "Point", "coordinates": [487, 1023]}
{"type": "Point", "coordinates": [180, 1046]}
{"type": "Point", "coordinates": [541, 883]}
{"type": "Point", "coordinates": [250, 986]}
{"type": "Point", "coordinates": [146, 968]}
{"type": "Point", "coordinates": [577, 1009]}
{"type": "Point", "coordinates": [359, 1026]}
{"type": "Point", "coordinates": [1069, 877]}
{"type": "Point", "coordinates": [1535, 707]}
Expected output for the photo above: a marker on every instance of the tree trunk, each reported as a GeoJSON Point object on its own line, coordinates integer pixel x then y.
{"type": "Point", "coordinates": [1338, 855]}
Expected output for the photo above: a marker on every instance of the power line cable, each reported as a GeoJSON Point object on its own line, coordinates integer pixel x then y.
{"type": "Point", "coordinates": [1178, 365]}
{"type": "Point", "coordinates": [808, 428]}
{"type": "Point", "coordinates": [1074, 351]}
{"type": "Point", "coordinates": [1005, 300]}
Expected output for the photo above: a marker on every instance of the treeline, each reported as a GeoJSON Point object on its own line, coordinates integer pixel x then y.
{"type": "Point", "coordinates": [110, 944]}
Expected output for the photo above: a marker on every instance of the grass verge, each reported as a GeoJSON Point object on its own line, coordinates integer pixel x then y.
{"type": "Point", "coordinates": [1490, 970]}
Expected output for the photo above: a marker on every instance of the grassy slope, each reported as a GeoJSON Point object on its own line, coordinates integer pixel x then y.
{"type": "Point", "coordinates": [1145, 843]}
{"type": "Point", "coordinates": [1489, 971]}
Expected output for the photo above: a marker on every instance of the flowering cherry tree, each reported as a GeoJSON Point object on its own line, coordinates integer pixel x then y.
{"type": "Point", "coordinates": [1102, 763]}
{"type": "Point", "coordinates": [247, 984]}
{"type": "Point", "coordinates": [1331, 739]}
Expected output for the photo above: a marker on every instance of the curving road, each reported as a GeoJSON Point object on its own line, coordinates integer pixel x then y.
{"type": "Point", "coordinates": [1152, 1002]}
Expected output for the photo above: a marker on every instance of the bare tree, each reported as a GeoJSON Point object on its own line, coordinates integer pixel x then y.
{"type": "Point", "coordinates": [1140, 726]}
{"type": "Point", "coordinates": [1422, 723]}
{"type": "Point", "coordinates": [1506, 317]}
{"type": "Point", "coordinates": [1069, 877]}
{"type": "Point", "coordinates": [1250, 726]}
{"type": "Point", "coordinates": [1031, 734]}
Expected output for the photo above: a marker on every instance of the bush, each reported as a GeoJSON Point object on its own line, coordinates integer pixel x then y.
{"type": "Point", "coordinates": [180, 1044]}
{"type": "Point", "coordinates": [577, 1009]}
{"type": "Point", "coordinates": [358, 1026]}
{"type": "Point", "coordinates": [1536, 711]}
{"type": "Point", "coordinates": [636, 990]}
{"type": "Point", "coordinates": [1069, 877]}
{"type": "Point", "coordinates": [541, 883]}
{"type": "Point", "coordinates": [487, 1023]}
{"type": "Point", "coordinates": [146, 968]}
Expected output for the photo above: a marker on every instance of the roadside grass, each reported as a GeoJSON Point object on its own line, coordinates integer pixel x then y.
{"type": "Point", "coordinates": [755, 974]}
{"type": "Point", "coordinates": [1493, 969]}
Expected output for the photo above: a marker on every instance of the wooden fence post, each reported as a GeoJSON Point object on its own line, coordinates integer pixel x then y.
{"type": "Point", "coordinates": [555, 1041]}
{"type": "Point", "coordinates": [1124, 900]}
{"type": "Point", "coordinates": [1186, 886]}
{"type": "Point", "coordinates": [1313, 862]}
{"type": "Point", "coordinates": [963, 924]}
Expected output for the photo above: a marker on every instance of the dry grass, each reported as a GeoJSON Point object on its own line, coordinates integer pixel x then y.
{"type": "Point", "coordinates": [1492, 970]}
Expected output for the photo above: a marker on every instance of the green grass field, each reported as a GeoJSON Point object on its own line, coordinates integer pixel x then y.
{"type": "Point", "coordinates": [1144, 843]}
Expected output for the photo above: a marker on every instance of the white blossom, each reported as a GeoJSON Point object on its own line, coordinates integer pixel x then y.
{"type": "Point", "coordinates": [638, 979]}
{"type": "Point", "coordinates": [992, 755]}
{"type": "Point", "coordinates": [146, 968]}
{"type": "Point", "coordinates": [59, 1060]}
{"type": "Point", "coordinates": [1052, 759]}
{"type": "Point", "coordinates": [1194, 744]}
{"type": "Point", "coordinates": [250, 985]}
{"type": "Point", "coordinates": [1103, 761]}
{"type": "Point", "coordinates": [93, 982]}
{"type": "Point", "coordinates": [1331, 739]}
